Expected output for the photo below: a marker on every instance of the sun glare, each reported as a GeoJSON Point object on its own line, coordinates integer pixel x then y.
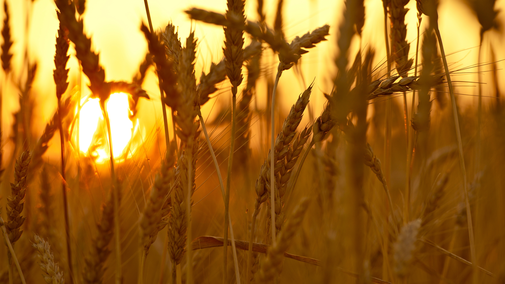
{"type": "Point", "coordinates": [92, 134]}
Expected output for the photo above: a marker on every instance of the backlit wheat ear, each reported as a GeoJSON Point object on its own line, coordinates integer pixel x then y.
{"type": "Point", "coordinates": [60, 75]}
{"type": "Point", "coordinates": [217, 73]}
{"type": "Point", "coordinates": [153, 213]}
{"type": "Point", "coordinates": [15, 202]}
{"type": "Point", "coordinates": [164, 67]}
{"type": "Point", "coordinates": [89, 60]}
{"type": "Point", "coordinates": [51, 270]}
{"type": "Point", "coordinates": [399, 45]}
{"type": "Point", "coordinates": [7, 43]}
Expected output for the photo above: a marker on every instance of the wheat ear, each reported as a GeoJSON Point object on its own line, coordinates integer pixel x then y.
{"type": "Point", "coordinates": [5, 57]}
{"type": "Point", "coordinates": [264, 184]}
{"type": "Point", "coordinates": [51, 270]}
{"type": "Point", "coordinates": [151, 220]}
{"type": "Point", "coordinates": [404, 248]}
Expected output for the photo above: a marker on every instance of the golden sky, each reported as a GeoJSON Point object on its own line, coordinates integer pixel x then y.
{"type": "Point", "coordinates": [114, 28]}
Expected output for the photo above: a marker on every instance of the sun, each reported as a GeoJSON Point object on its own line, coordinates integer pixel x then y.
{"type": "Point", "coordinates": [91, 138]}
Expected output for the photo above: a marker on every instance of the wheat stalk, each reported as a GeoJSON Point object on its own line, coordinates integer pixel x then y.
{"type": "Point", "coordinates": [60, 76]}
{"type": "Point", "coordinates": [430, 9]}
{"type": "Point", "coordinates": [12, 254]}
{"type": "Point", "coordinates": [234, 58]}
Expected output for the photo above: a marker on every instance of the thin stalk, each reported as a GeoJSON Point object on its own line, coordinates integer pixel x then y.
{"type": "Point", "coordinates": [12, 254]}
{"type": "Point", "coordinates": [115, 195]}
{"type": "Point", "coordinates": [387, 142]}
{"type": "Point", "coordinates": [228, 184]}
{"type": "Point", "coordinates": [174, 273]}
{"type": "Point", "coordinates": [221, 184]}
{"type": "Point", "coordinates": [479, 112]}
{"type": "Point", "coordinates": [141, 267]}
{"type": "Point", "coordinates": [410, 159]}
{"type": "Point", "coordinates": [64, 191]}
{"type": "Point", "coordinates": [461, 161]}
{"type": "Point", "coordinates": [249, 251]}
{"type": "Point", "coordinates": [406, 208]}
{"type": "Point", "coordinates": [272, 153]}
{"type": "Point", "coordinates": [11, 268]}
{"type": "Point", "coordinates": [178, 274]}
{"type": "Point", "coordinates": [162, 94]}
{"type": "Point", "coordinates": [189, 249]}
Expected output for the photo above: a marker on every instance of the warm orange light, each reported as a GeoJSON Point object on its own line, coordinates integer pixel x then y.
{"type": "Point", "coordinates": [92, 136]}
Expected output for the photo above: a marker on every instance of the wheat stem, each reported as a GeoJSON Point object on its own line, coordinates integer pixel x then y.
{"type": "Point", "coordinates": [162, 94]}
{"type": "Point", "coordinates": [411, 140]}
{"type": "Point", "coordinates": [141, 267]}
{"type": "Point", "coordinates": [189, 231]}
{"type": "Point", "coordinates": [272, 147]}
{"type": "Point", "coordinates": [12, 254]}
{"type": "Point", "coordinates": [64, 191]}
{"type": "Point", "coordinates": [221, 184]}
{"type": "Point", "coordinates": [228, 182]}
{"type": "Point", "coordinates": [251, 239]}
{"type": "Point", "coordinates": [461, 159]}
{"type": "Point", "coordinates": [478, 141]}
{"type": "Point", "coordinates": [115, 195]}
{"type": "Point", "coordinates": [387, 139]}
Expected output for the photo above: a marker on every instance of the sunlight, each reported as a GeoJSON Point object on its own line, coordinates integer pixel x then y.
{"type": "Point", "coordinates": [93, 131]}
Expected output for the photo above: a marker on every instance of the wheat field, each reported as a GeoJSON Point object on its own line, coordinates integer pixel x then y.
{"type": "Point", "coordinates": [252, 142]}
